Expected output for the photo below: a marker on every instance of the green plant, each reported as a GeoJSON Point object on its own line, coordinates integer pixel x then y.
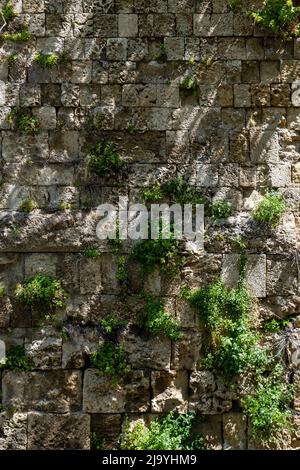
{"type": "Point", "coordinates": [96, 442]}
{"type": "Point", "coordinates": [112, 325]}
{"type": "Point", "coordinates": [28, 205]}
{"type": "Point", "coordinates": [177, 190]}
{"type": "Point", "coordinates": [153, 319]}
{"type": "Point", "coordinates": [172, 432]}
{"type": "Point", "coordinates": [46, 61]}
{"type": "Point", "coordinates": [161, 253]}
{"type": "Point", "coordinates": [278, 16]}
{"type": "Point", "coordinates": [41, 290]}
{"type": "Point", "coordinates": [207, 61]}
{"type": "Point", "coordinates": [121, 274]}
{"type": "Point", "coordinates": [21, 36]}
{"type": "Point", "coordinates": [221, 209]}
{"type": "Point", "coordinates": [91, 252]}
{"type": "Point", "coordinates": [235, 4]}
{"type": "Point", "coordinates": [276, 324]}
{"type": "Point", "coordinates": [16, 359]}
{"type": "Point", "coordinates": [2, 292]}
{"type": "Point", "coordinates": [189, 85]}
{"type": "Point", "coordinates": [161, 56]}
{"type": "Point", "coordinates": [8, 12]}
{"type": "Point", "coordinates": [131, 129]}
{"type": "Point", "coordinates": [270, 209]}
{"type": "Point", "coordinates": [104, 160]}
{"type": "Point", "coordinates": [13, 58]}
{"type": "Point", "coordinates": [232, 345]}
{"type": "Point", "coordinates": [153, 194]}
{"type": "Point", "coordinates": [24, 121]}
{"type": "Point", "coordinates": [239, 243]}
{"type": "Point", "coordinates": [110, 359]}
{"type": "Point", "coordinates": [267, 407]}
{"type": "Point", "coordinates": [63, 206]}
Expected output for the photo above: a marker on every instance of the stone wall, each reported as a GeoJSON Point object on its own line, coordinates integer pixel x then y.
{"type": "Point", "coordinates": [238, 136]}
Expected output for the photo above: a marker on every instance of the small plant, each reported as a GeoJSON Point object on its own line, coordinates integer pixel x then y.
{"type": "Point", "coordinates": [28, 205]}
{"type": "Point", "coordinates": [131, 129]}
{"type": "Point", "coordinates": [280, 17]}
{"type": "Point", "coordinates": [121, 274]}
{"type": "Point", "coordinates": [153, 319]}
{"type": "Point", "coordinates": [16, 359]}
{"type": "Point", "coordinates": [111, 326]}
{"type": "Point", "coordinates": [172, 432]}
{"type": "Point", "coordinates": [104, 160]}
{"type": "Point", "coordinates": [110, 360]}
{"type": "Point", "coordinates": [13, 58]}
{"type": "Point", "coordinates": [270, 209]}
{"type": "Point", "coordinates": [91, 252]}
{"type": "Point", "coordinates": [161, 253]}
{"type": "Point", "coordinates": [24, 121]}
{"type": "Point", "coordinates": [41, 290]}
{"type": "Point", "coordinates": [96, 443]}
{"type": "Point", "coordinates": [161, 56]}
{"type": "Point", "coordinates": [207, 61]}
{"type": "Point", "coordinates": [189, 85]}
{"type": "Point", "coordinates": [46, 61]}
{"type": "Point", "coordinates": [63, 206]}
{"type": "Point", "coordinates": [2, 292]}
{"type": "Point", "coordinates": [221, 209]}
{"type": "Point", "coordinates": [21, 36]}
{"type": "Point", "coordinates": [239, 243]}
{"type": "Point", "coordinates": [177, 190]}
{"type": "Point", "coordinates": [235, 4]}
{"type": "Point", "coordinates": [267, 407]}
{"type": "Point", "coordinates": [275, 325]}
{"type": "Point", "coordinates": [153, 194]}
{"type": "Point", "coordinates": [8, 12]}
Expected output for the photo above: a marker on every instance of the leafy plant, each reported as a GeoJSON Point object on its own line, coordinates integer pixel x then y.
{"type": "Point", "coordinates": [153, 194]}
{"type": "Point", "coordinates": [276, 324]}
{"type": "Point", "coordinates": [24, 121]}
{"type": "Point", "coordinates": [270, 209]}
{"type": "Point", "coordinates": [110, 360]}
{"type": "Point", "coordinates": [267, 407]}
{"type": "Point", "coordinates": [161, 253]}
{"type": "Point", "coordinates": [41, 290]}
{"type": "Point", "coordinates": [91, 252]}
{"type": "Point", "coordinates": [172, 432]}
{"type": "Point", "coordinates": [221, 209]}
{"type": "Point", "coordinates": [16, 359]}
{"type": "Point", "coordinates": [232, 344]}
{"type": "Point", "coordinates": [153, 319]}
{"type": "Point", "coordinates": [239, 243]}
{"type": "Point", "coordinates": [121, 274]}
{"type": "Point", "coordinates": [21, 36]}
{"type": "Point", "coordinates": [189, 85]}
{"type": "Point", "coordinates": [13, 58]}
{"type": "Point", "coordinates": [104, 160]}
{"type": "Point", "coordinates": [46, 61]}
{"type": "Point", "coordinates": [207, 61]}
{"type": "Point", "coordinates": [96, 442]}
{"type": "Point", "coordinates": [131, 129]}
{"type": "Point", "coordinates": [278, 16]}
{"type": "Point", "coordinates": [161, 56]}
{"type": "Point", "coordinates": [2, 292]}
{"type": "Point", "coordinates": [28, 205]}
{"type": "Point", "coordinates": [8, 12]}
{"type": "Point", "coordinates": [112, 325]}
{"type": "Point", "coordinates": [177, 190]}
{"type": "Point", "coordinates": [235, 4]}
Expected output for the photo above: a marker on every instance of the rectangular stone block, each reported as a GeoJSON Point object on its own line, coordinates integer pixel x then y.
{"type": "Point", "coordinates": [169, 391]}
{"type": "Point", "coordinates": [255, 272]}
{"type": "Point", "coordinates": [264, 146]}
{"type": "Point", "coordinates": [13, 431]}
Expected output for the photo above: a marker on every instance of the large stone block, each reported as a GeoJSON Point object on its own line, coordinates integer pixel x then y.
{"type": "Point", "coordinates": [169, 391]}
{"type": "Point", "coordinates": [130, 395]}
{"type": "Point", "coordinates": [44, 348]}
{"type": "Point", "coordinates": [264, 146]}
{"type": "Point", "coordinates": [50, 391]}
{"type": "Point", "coordinates": [234, 431]}
{"type": "Point", "coordinates": [207, 395]}
{"type": "Point", "coordinates": [255, 272]}
{"type": "Point", "coordinates": [128, 25]}
{"type": "Point", "coordinates": [282, 276]}
{"type": "Point", "coordinates": [13, 431]}
{"type": "Point", "coordinates": [152, 352]}
{"type": "Point", "coordinates": [54, 432]}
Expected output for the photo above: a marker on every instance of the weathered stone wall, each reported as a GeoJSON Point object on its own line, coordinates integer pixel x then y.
{"type": "Point", "coordinates": [238, 136]}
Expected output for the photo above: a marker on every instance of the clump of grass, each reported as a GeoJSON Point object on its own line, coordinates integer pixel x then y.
{"type": "Point", "coordinates": [21, 36]}
{"type": "Point", "coordinates": [47, 61]}
{"type": "Point", "coordinates": [8, 12]}
{"type": "Point", "coordinates": [270, 209]}
{"type": "Point", "coordinates": [161, 56]}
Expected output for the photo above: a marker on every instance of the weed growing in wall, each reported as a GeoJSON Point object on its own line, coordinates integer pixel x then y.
{"type": "Point", "coordinates": [280, 17]}
{"type": "Point", "coordinates": [177, 190]}
{"type": "Point", "coordinates": [2, 292]}
{"type": "Point", "coordinates": [21, 36]}
{"type": "Point", "coordinates": [28, 205]}
{"type": "Point", "coordinates": [189, 86]}
{"type": "Point", "coordinates": [110, 359]}
{"type": "Point", "coordinates": [172, 432]}
{"type": "Point", "coordinates": [154, 319]}
{"type": "Point", "coordinates": [104, 160]}
{"type": "Point", "coordinates": [8, 12]}
{"type": "Point", "coordinates": [161, 56]}
{"type": "Point", "coordinates": [16, 359]}
{"type": "Point", "coordinates": [24, 121]}
{"type": "Point", "coordinates": [267, 407]}
{"type": "Point", "coordinates": [121, 274]}
{"type": "Point", "coordinates": [221, 209]}
{"type": "Point", "coordinates": [275, 325]}
{"type": "Point", "coordinates": [41, 290]}
{"type": "Point", "coordinates": [270, 209]}
{"type": "Point", "coordinates": [91, 252]}
{"type": "Point", "coordinates": [47, 61]}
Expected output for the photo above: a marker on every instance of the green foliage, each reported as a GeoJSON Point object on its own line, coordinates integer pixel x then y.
{"type": "Point", "coordinates": [16, 359]}
{"type": "Point", "coordinates": [189, 85]}
{"type": "Point", "coordinates": [275, 325]}
{"type": "Point", "coordinates": [13, 58]}
{"type": "Point", "coordinates": [41, 290]}
{"type": "Point", "coordinates": [47, 61]}
{"type": "Point", "coordinates": [161, 56]}
{"type": "Point", "coordinates": [235, 4]}
{"type": "Point", "coordinates": [153, 319]}
{"type": "Point", "coordinates": [172, 432]}
{"type": "Point", "coordinates": [221, 209]}
{"type": "Point", "coordinates": [104, 160]}
{"type": "Point", "coordinates": [8, 12]}
{"type": "Point", "coordinates": [110, 359]}
{"type": "Point", "coordinates": [232, 346]}
{"type": "Point", "coordinates": [21, 36]}
{"type": "Point", "coordinates": [267, 406]}
{"type": "Point", "coordinates": [121, 274]}
{"type": "Point", "coordinates": [131, 129]}
{"type": "Point", "coordinates": [24, 121]}
{"type": "Point", "coordinates": [239, 243]}
{"type": "Point", "coordinates": [28, 205]}
{"type": "Point", "coordinates": [112, 325]}
{"type": "Point", "coordinates": [2, 292]}
{"type": "Point", "coordinates": [161, 253]}
{"type": "Point", "coordinates": [177, 190]}
{"type": "Point", "coordinates": [279, 17]}
{"type": "Point", "coordinates": [207, 61]}
{"type": "Point", "coordinates": [270, 209]}
{"type": "Point", "coordinates": [91, 252]}
{"type": "Point", "coordinates": [96, 443]}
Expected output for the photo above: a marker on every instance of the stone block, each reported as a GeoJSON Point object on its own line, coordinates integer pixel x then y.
{"type": "Point", "coordinates": [211, 429]}
{"type": "Point", "coordinates": [186, 352]}
{"type": "Point", "coordinates": [280, 175]}
{"type": "Point", "coordinates": [46, 116]}
{"type": "Point", "coordinates": [130, 395]}
{"type": "Point", "coordinates": [207, 175]}
{"type": "Point", "coordinates": [54, 432]}
{"type": "Point", "coordinates": [264, 146]}
{"type": "Point", "coordinates": [242, 96]}
{"type": "Point", "coordinates": [128, 25]}
{"type": "Point", "coordinates": [255, 273]}
{"type": "Point", "coordinates": [44, 348]}
{"type": "Point", "coordinates": [117, 49]}
{"type": "Point", "coordinates": [234, 431]}
{"type": "Point", "coordinates": [208, 396]}
{"type": "Point", "coordinates": [90, 276]}
{"type": "Point", "coordinates": [152, 352]}
{"type": "Point", "coordinates": [169, 391]}
{"type": "Point", "coordinates": [281, 276]}
{"type": "Point", "coordinates": [13, 431]}
{"type": "Point", "coordinates": [213, 25]}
